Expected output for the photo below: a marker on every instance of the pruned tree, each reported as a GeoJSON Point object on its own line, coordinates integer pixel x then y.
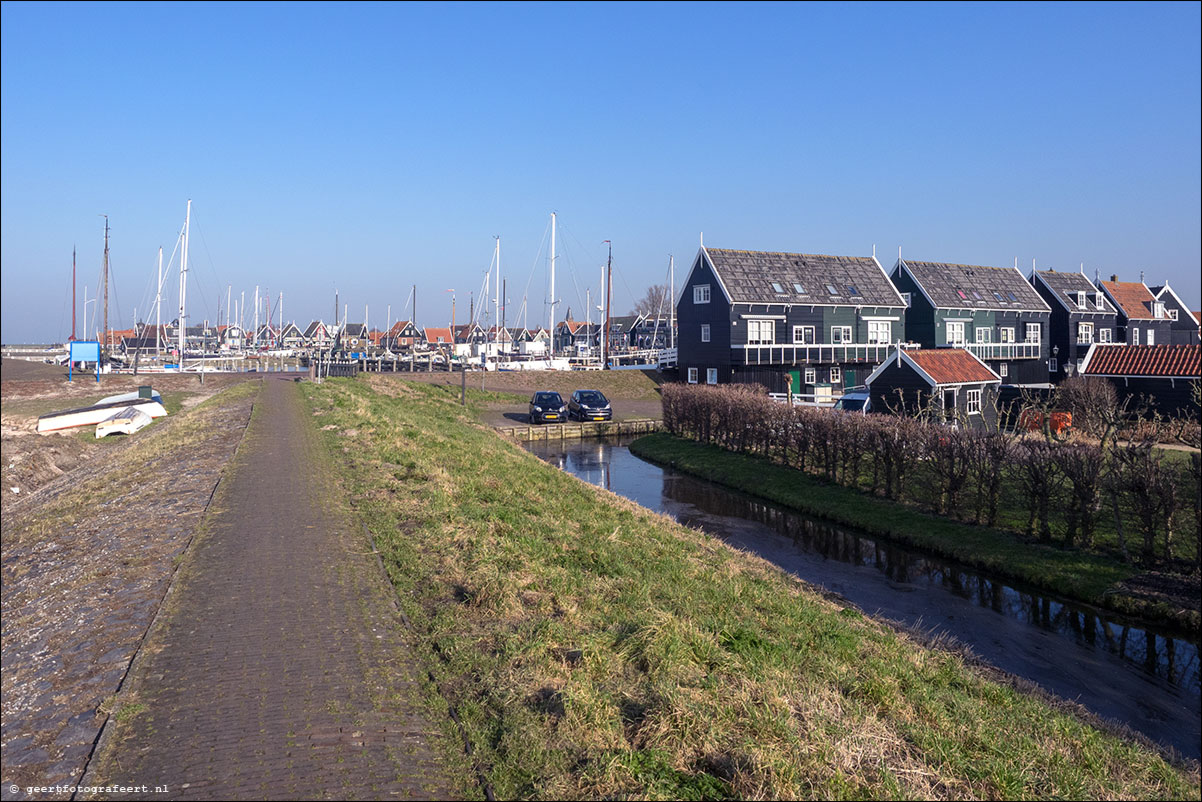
{"type": "Point", "coordinates": [1082, 467]}
{"type": "Point", "coordinates": [1040, 480]}
{"type": "Point", "coordinates": [655, 302]}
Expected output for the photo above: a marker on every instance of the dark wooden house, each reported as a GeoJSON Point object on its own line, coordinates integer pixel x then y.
{"type": "Point", "coordinates": [1164, 376]}
{"type": "Point", "coordinates": [948, 384]}
{"type": "Point", "coordinates": [402, 336]}
{"type": "Point", "coordinates": [1081, 316]}
{"type": "Point", "coordinates": [758, 317]}
{"type": "Point", "coordinates": [1183, 326]}
{"type": "Point", "coordinates": [991, 311]}
{"type": "Point", "coordinates": [317, 335]}
{"type": "Point", "coordinates": [1142, 320]}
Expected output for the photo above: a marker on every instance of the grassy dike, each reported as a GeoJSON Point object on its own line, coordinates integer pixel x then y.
{"type": "Point", "coordinates": [1088, 578]}
{"type": "Point", "coordinates": [595, 649]}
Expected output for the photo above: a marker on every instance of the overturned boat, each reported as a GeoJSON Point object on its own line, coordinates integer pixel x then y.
{"type": "Point", "coordinates": [125, 421]}
{"type": "Point", "coordinates": [144, 400]}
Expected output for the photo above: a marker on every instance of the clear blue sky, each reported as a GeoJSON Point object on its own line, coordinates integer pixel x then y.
{"type": "Point", "coordinates": [371, 147]}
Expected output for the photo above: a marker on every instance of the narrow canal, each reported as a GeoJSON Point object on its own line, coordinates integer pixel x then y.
{"type": "Point", "coordinates": [1120, 670]}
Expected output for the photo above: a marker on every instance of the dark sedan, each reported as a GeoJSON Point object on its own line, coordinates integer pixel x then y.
{"type": "Point", "coordinates": [546, 406]}
{"type": "Point", "coordinates": [589, 405]}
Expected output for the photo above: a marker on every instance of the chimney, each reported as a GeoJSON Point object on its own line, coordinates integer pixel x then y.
{"type": "Point", "coordinates": [1114, 277]}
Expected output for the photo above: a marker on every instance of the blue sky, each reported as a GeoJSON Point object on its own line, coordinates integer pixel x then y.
{"type": "Point", "coordinates": [367, 148]}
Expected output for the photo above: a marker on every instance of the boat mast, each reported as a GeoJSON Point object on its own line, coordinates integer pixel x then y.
{"type": "Point", "coordinates": [72, 294]}
{"type": "Point", "coordinates": [551, 306]}
{"type": "Point", "coordinates": [183, 286]}
{"type": "Point", "coordinates": [671, 302]}
{"type": "Point", "coordinates": [496, 302]}
{"type": "Point", "coordinates": [158, 306]}
{"type": "Point", "coordinates": [609, 286]}
{"type": "Point", "coordinates": [106, 281]}
{"type": "Point", "coordinates": [254, 341]}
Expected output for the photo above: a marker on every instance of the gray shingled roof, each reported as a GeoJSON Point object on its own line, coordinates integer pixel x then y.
{"type": "Point", "coordinates": [803, 278]}
{"type": "Point", "coordinates": [975, 287]}
{"type": "Point", "coordinates": [1065, 287]}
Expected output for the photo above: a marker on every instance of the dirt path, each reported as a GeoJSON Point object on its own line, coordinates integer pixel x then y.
{"type": "Point", "coordinates": [279, 668]}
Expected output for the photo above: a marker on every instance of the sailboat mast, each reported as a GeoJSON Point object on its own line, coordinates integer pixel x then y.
{"type": "Point", "coordinates": [496, 303]}
{"type": "Point", "coordinates": [72, 294]}
{"type": "Point", "coordinates": [183, 286]}
{"type": "Point", "coordinates": [551, 306]}
{"type": "Point", "coordinates": [671, 302]}
{"type": "Point", "coordinates": [106, 281]}
{"type": "Point", "coordinates": [254, 339]}
{"type": "Point", "coordinates": [609, 289]}
{"type": "Point", "coordinates": [158, 306]}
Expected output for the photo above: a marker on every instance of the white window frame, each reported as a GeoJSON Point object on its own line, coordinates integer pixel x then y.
{"type": "Point", "coordinates": [1173, 314]}
{"type": "Point", "coordinates": [711, 375]}
{"type": "Point", "coordinates": [701, 294]}
{"type": "Point", "coordinates": [1135, 336]}
{"type": "Point", "coordinates": [836, 375]}
{"type": "Point", "coordinates": [983, 335]}
{"type": "Point", "coordinates": [799, 335]}
{"type": "Point", "coordinates": [705, 332]}
{"type": "Point", "coordinates": [692, 375]}
{"type": "Point", "coordinates": [1080, 299]}
{"type": "Point", "coordinates": [845, 335]}
{"type": "Point", "coordinates": [972, 402]}
{"type": "Point", "coordinates": [1006, 334]}
{"type": "Point", "coordinates": [761, 332]}
{"type": "Point", "coordinates": [1033, 332]}
{"type": "Point", "coordinates": [811, 376]}
{"type": "Point", "coordinates": [1104, 335]}
{"type": "Point", "coordinates": [906, 298]}
{"type": "Point", "coordinates": [877, 328]}
{"type": "Point", "coordinates": [1158, 310]}
{"type": "Point", "coordinates": [1084, 332]}
{"type": "Point", "coordinates": [1053, 366]}
{"type": "Point", "coordinates": [954, 329]}
{"type": "Point", "coordinates": [1003, 369]}
{"type": "Point", "coordinates": [1150, 339]}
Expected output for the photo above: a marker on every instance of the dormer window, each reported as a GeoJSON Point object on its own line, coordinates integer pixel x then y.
{"type": "Point", "coordinates": [1081, 299]}
{"type": "Point", "coordinates": [1097, 301]}
{"type": "Point", "coordinates": [1158, 310]}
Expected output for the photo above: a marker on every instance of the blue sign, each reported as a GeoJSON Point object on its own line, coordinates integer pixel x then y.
{"type": "Point", "coordinates": [83, 352]}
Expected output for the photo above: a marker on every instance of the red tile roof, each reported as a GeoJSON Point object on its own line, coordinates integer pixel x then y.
{"type": "Point", "coordinates": [951, 366]}
{"type": "Point", "coordinates": [1197, 317]}
{"type": "Point", "coordinates": [432, 335]}
{"type": "Point", "coordinates": [1144, 360]}
{"type": "Point", "coordinates": [1133, 298]}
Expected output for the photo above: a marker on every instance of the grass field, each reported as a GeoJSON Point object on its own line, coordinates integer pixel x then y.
{"type": "Point", "coordinates": [593, 649]}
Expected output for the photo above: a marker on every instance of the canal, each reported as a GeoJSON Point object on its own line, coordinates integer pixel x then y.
{"type": "Point", "coordinates": [1120, 670]}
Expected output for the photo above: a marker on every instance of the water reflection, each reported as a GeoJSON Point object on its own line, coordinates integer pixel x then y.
{"type": "Point", "coordinates": [1145, 678]}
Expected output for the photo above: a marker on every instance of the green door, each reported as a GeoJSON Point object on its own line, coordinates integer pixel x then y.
{"type": "Point", "coordinates": [796, 374]}
{"type": "Point", "coordinates": [849, 378]}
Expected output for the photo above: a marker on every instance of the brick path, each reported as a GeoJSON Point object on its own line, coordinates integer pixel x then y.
{"type": "Point", "coordinates": [279, 669]}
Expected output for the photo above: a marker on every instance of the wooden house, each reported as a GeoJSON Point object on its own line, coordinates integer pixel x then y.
{"type": "Point", "coordinates": [290, 336]}
{"type": "Point", "coordinates": [233, 337]}
{"type": "Point", "coordinates": [1183, 325]}
{"type": "Point", "coordinates": [1081, 316]}
{"type": "Point", "coordinates": [403, 336]}
{"type": "Point", "coordinates": [994, 312]}
{"type": "Point", "coordinates": [352, 338]}
{"type": "Point", "coordinates": [575, 336]}
{"type": "Point", "coordinates": [317, 335]}
{"type": "Point", "coordinates": [650, 332]}
{"type": "Point", "coordinates": [759, 317]}
{"type": "Point", "coordinates": [952, 384]}
{"type": "Point", "coordinates": [1164, 376]}
{"type": "Point", "coordinates": [438, 338]}
{"type": "Point", "coordinates": [470, 334]}
{"type": "Point", "coordinates": [1142, 320]}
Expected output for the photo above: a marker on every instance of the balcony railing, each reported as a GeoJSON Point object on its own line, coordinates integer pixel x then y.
{"type": "Point", "coordinates": [1003, 350]}
{"type": "Point", "coordinates": [801, 354]}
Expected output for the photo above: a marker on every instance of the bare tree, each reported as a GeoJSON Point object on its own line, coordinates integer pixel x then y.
{"type": "Point", "coordinates": [655, 302]}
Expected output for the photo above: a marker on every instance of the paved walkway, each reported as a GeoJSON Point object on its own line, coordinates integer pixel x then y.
{"type": "Point", "coordinates": [279, 669]}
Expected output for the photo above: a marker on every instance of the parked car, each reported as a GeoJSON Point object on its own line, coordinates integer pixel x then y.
{"type": "Point", "coordinates": [589, 405]}
{"type": "Point", "coordinates": [856, 402]}
{"type": "Point", "coordinates": [546, 405]}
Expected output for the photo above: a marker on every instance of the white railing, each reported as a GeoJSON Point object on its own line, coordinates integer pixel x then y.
{"type": "Point", "coordinates": [667, 358]}
{"type": "Point", "coordinates": [796, 354]}
{"type": "Point", "coordinates": [804, 399]}
{"type": "Point", "coordinates": [1003, 350]}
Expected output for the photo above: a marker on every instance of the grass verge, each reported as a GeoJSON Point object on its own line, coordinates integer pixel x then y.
{"type": "Point", "coordinates": [1089, 578]}
{"type": "Point", "coordinates": [594, 649]}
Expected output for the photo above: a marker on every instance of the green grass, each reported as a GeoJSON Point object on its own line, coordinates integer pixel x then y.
{"type": "Point", "coordinates": [594, 649]}
{"type": "Point", "coordinates": [1082, 576]}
